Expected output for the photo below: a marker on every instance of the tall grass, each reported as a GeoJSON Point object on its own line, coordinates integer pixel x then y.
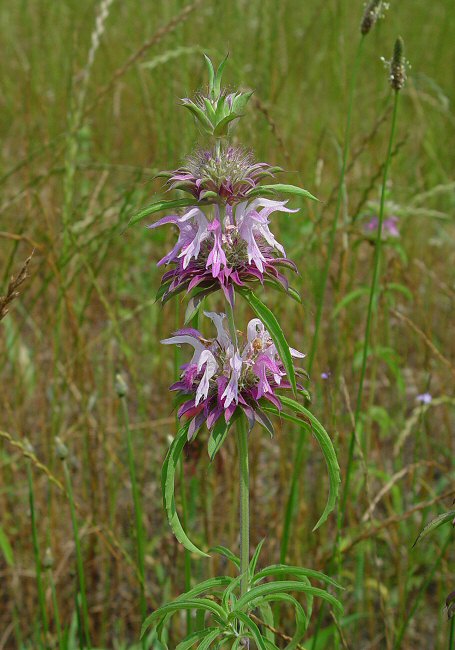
{"type": "Point", "coordinates": [68, 190]}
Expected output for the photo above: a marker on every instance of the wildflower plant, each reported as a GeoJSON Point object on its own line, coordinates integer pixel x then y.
{"type": "Point", "coordinates": [225, 243]}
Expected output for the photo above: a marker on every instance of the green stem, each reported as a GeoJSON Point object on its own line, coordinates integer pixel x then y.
{"type": "Point", "coordinates": [39, 582]}
{"type": "Point", "coordinates": [242, 446]}
{"type": "Point", "coordinates": [371, 303]}
{"type": "Point", "coordinates": [56, 611]}
{"type": "Point", "coordinates": [140, 537]}
{"type": "Point", "coordinates": [321, 294]}
{"type": "Point", "coordinates": [244, 475]}
{"type": "Point", "coordinates": [187, 553]}
{"type": "Point", "coordinates": [79, 561]}
{"type": "Point", "coordinates": [452, 634]}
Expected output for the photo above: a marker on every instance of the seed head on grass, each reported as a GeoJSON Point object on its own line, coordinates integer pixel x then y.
{"type": "Point", "coordinates": [371, 14]}
{"type": "Point", "coordinates": [398, 66]}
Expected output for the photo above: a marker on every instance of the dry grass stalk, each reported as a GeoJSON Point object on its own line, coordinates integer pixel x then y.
{"type": "Point", "coordinates": [12, 292]}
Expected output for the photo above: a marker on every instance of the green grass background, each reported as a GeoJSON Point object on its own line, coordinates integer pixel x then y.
{"type": "Point", "coordinates": [79, 155]}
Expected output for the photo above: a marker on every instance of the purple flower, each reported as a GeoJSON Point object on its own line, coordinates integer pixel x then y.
{"type": "Point", "coordinates": [220, 378]}
{"type": "Point", "coordinates": [389, 226]}
{"type": "Point", "coordinates": [230, 250]}
{"type": "Point", "coordinates": [424, 398]}
{"type": "Point", "coordinates": [325, 375]}
{"type": "Point", "coordinates": [228, 174]}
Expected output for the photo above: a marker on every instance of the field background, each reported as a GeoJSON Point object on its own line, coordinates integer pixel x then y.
{"type": "Point", "coordinates": [82, 138]}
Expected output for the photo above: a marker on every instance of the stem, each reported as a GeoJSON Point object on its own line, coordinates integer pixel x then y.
{"type": "Point", "coordinates": [371, 302]}
{"type": "Point", "coordinates": [321, 293]}
{"type": "Point", "coordinates": [39, 582]}
{"type": "Point", "coordinates": [242, 446]}
{"type": "Point", "coordinates": [56, 610]}
{"type": "Point", "coordinates": [140, 538]}
{"type": "Point", "coordinates": [79, 562]}
{"type": "Point", "coordinates": [452, 634]}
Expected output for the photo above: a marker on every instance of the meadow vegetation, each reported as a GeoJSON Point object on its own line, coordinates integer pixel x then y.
{"type": "Point", "coordinates": [89, 116]}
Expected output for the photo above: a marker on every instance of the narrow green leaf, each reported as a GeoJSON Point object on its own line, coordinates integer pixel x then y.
{"type": "Point", "coordinates": [434, 524]}
{"type": "Point", "coordinates": [275, 331]}
{"type": "Point", "coordinates": [283, 586]}
{"type": "Point", "coordinates": [212, 584]}
{"type": "Point", "coordinates": [222, 550]}
{"type": "Point", "coordinates": [255, 558]}
{"type": "Point", "coordinates": [5, 548]}
{"type": "Point", "coordinates": [199, 115]}
{"type": "Point", "coordinates": [282, 570]}
{"type": "Point", "coordinates": [253, 628]}
{"type": "Point", "coordinates": [282, 188]}
{"type": "Point", "coordinates": [221, 127]}
{"type": "Point", "coordinates": [168, 488]}
{"type": "Point", "coordinates": [197, 603]}
{"type": "Point", "coordinates": [327, 449]}
{"type": "Point", "coordinates": [218, 436]}
{"type": "Point", "coordinates": [218, 76]}
{"type": "Point", "coordinates": [211, 72]}
{"type": "Point", "coordinates": [205, 644]}
{"type": "Point", "coordinates": [267, 616]}
{"type": "Point", "coordinates": [301, 618]}
{"type": "Point", "coordinates": [160, 205]}
{"type": "Point", "coordinates": [188, 643]}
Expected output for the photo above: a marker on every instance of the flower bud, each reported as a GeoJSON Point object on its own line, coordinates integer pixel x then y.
{"type": "Point", "coordinates": [121, 387]}
{"type": "Point", "coordinates": [61, 449]}
{"type": "Point", "coordinates": [398, 66]}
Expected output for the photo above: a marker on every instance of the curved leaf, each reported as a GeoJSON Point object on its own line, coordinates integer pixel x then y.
{"type": "Point", "coordinates": [158, 206]}
{"type": "Point", "coordinates": [284, 569]}
{"type": "Point", "coordinates": [275, 331]}
{"type": "Point", "coordinates": [434, 524]}
{"type": "Point", "coordinates": [327, 449]}
{"type": "Point", "coordinates": [206, 643]}
{"type": "Point", "coordinates": [222, 550]}
{"type": "Point", "coordinates": [284, 586]}
{"type": "Point", "coordinates": [168, 488]}
{"type": "Point", "coordinates": [282, 188]}
{"type": "Point", "coordinates": [188, 643]}
{"type": "Point", "coordinates": [195, 603]}
{"type": "Point", "coordinates": [254, 630]}
{"type": "Point", "coordinates": [301, 619]}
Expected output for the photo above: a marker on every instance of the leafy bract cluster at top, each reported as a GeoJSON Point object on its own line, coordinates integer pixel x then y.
{"type": "Point", "coordinates": [217, 111]}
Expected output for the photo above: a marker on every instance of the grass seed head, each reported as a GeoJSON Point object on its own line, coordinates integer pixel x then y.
{"type": "Point", "coordinates": [398, 66]}
{"type": "Point", "coordinates": [370, 16]}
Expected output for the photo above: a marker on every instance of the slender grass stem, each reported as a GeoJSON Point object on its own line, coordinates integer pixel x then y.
{"type": "Point", "coordinates": [320, 304]}
{"type": "Point", "coordinates": [140, 536]}
{"type": "Point", "coordinates": [371, 306]}
{"type": "Point", "coordinates": [55, 607]}
{"type": "Point", "coordinates": [79, 561]}
{"type": "Point", "coordinates": [36, 553]}
{"type": "Point", "coordinates": [451, 645]}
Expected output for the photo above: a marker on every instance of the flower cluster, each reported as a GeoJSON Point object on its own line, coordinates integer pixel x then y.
{"type": "Point", "coordinates": [221, 377]}
{"type": "Point", "coordinates": [235, 247]}
{"type": "Point", "coordinates": [223, 174]}
{"type": "Point", "coordinates": [389, 226]}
